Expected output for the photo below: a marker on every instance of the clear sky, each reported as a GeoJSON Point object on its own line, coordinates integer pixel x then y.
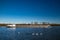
{"type": "Point", "coordinates": [21, 11]}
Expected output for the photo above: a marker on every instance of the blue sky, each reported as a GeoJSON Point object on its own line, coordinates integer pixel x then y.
{"type": "Point", "coordinates": [25, 11]}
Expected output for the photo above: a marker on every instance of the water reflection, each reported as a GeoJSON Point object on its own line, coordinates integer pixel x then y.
{"type": "Point", "coordinates": [52, 33]}
{"type": "Point", "coordinates": [11, 28]}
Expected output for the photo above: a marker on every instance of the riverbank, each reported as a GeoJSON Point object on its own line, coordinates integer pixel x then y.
{"type": "Point", "coordinates": [30, 25]}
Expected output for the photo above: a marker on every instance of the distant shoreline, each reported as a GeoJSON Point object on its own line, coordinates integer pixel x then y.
{"type": "Point", "coordinates": [30, 25]}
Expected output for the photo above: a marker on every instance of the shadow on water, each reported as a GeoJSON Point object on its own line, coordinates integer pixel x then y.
{"type": "Point", "coordinates": [51, 33]}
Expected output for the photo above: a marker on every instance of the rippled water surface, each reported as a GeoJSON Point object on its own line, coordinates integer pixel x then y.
{"type": "Point", "coordinates": [50, 33]}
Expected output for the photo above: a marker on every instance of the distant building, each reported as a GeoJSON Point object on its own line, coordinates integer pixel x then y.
{"type": "Point", "coordinates": [35, 22]}
{"type": "Point", "coordinates": [45, 23]}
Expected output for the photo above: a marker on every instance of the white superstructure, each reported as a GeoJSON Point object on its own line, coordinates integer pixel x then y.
{"type": "Point", "coordinates": [12, 25]}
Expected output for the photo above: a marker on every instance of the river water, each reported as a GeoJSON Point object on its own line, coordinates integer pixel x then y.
{"type": "Point", "coordinates": [50, 33]}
